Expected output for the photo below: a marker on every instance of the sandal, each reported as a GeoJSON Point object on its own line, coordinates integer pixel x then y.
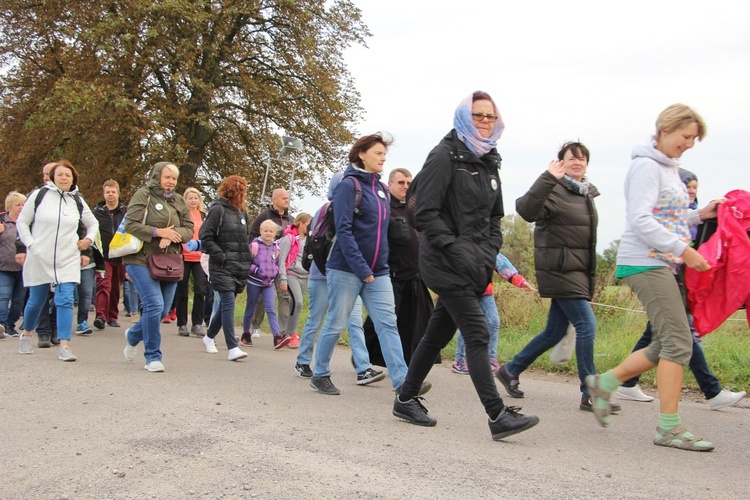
{"type": "Point", "coordinates": [676, 438]}
{"type": "Point", "coordinates": [602, 414]}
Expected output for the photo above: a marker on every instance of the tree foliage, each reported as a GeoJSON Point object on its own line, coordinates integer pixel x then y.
{"type": "Point", "coordinates": [518, 244]}
{"type": "Point", "coordinates": [115, 86]}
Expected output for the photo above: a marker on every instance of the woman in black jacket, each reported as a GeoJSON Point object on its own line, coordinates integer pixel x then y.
{"type": "Point", "coordinates": [458, 210]}
{"type": "Point", "coordinates": [225, 238]}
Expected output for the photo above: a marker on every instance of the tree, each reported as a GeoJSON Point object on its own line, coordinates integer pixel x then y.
{"type": "Point", "coordinates": [115, 86]}
{"type": "Point", "coordinates": [518, 244]}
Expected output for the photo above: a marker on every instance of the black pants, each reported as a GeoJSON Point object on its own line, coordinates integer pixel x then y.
{"type": "Point", "coordinates": [465, 313]}
{"type": "Point", "coordinates": [199, 294]}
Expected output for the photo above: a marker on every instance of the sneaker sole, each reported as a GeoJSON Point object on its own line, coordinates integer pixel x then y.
{"type": "Point", "coordinates": [72, 358]}
{"type": "Point", "coordinates": [405, 418]}
{"type": "Point", "coordinates": [501, 435]}
{"type": "Point", "coordinates": [380, 376]}
{"type": "Point", "coordinates": [459, 372]}
{"type": "Point", "coordinates": [301, 374]}
{"type": "Point", "coordinates": [281, 344]}
{"type": "Point", "coordinates": [337, 393]}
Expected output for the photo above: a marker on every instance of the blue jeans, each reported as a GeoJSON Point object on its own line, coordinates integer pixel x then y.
{"type": "Point", "coordinates": [129, 296]}
{"type": "Point", "coordinates": [225, 319]}
{"type": "Point", "coordinates": [489, 308]}
{"type": "Point", "coordinates": [561, 312]}
{"type": "Point", "coordinates": [38, 297]}
{"type": "Point", "coordinates": [12, 295]}
{"type": "Point", "coordinates": [317, 295]}
{"type": "Point", "coordinates": [85, 293]}
{"type": "Point", "coordinates": [343, 289]}
{"type": "Point", "coordinates": [156, 298]}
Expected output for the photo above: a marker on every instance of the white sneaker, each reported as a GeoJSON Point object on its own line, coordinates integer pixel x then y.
{"type": "Point", "coordinates": [236, 353]}
{"type": "Point", "coordinates": [210, 345]}
{"type": "Point", "coordinates": [66, 354]}
{"type": "Point", "coordinates": [155, 366]}
{"type": "Point", "coordinates": [25, 347]}
{"type": "Point", "coordinates": [255, 334]}
{"type": "Point", "coordinates": [130, 350]}
{"type": "Point", "coordinates": [726, 398]}
{"type": "Point", "coordinates": [633, 394]}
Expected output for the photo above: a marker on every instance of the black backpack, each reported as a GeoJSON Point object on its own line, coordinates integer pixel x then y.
{"type": "Point", "coordinates": [323, 234]}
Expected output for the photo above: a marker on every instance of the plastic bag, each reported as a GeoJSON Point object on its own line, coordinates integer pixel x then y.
{"type": "Point", "coordinates": [563, 351]}
{"type": "Point", "coordinates": [123, 243]}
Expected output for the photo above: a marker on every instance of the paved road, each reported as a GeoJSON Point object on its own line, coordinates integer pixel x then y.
{"type": "Point", "coordinates": [105, 428]}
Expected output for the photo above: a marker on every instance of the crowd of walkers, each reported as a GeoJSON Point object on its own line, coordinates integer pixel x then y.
{"type": "Point", "coordinates": [390, 246]}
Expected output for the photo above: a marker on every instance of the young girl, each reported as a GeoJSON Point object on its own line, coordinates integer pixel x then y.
{"type": "Point", "coordinates": [292, 276]}
{"type": "Point", "coordinates": [263, 271]}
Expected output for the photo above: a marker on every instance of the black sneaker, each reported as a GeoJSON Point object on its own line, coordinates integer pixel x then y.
{"type": "Point", "coordinates": [324, 386]}
{"type": "Point", "coordinates": [44, 341]}
{"type": "Point", "coordinates": [53, 338]}
{"type": "Point", "coordinates": [99, 323]}
{"type": "Point", "coordinates": [113, 324]}
{"type": "Point", "coordinates": [280, 341]}
{"type": "Point", "coordinates": [246, 340]}
{"type": "Point", "coordinates": [11, 332]}
{"type": "Point", "coordinates": [303, 371]}
{"type": "Point", "coordinates": [586, 405]}
{"type": "Point", "coordinates": [511, 422]}
{"type": "Point", "coordinates": [510, 382]}
{"type": "Point", "coordinates": [413, 411]}
{"type": "Point", "coordinates": [369, 376]}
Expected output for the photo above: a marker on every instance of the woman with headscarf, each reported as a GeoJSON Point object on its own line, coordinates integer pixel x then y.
{"type": "Point", "coordinates": [166, 225]}
{"type": "Point", "coordinates": [458, 206]}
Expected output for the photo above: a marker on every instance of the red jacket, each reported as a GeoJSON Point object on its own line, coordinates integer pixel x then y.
{"type": "Point", "coordinates": [715, 294]}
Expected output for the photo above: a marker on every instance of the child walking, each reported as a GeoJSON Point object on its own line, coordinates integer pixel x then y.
{"type": "Point", "coordinates": [263, 271]}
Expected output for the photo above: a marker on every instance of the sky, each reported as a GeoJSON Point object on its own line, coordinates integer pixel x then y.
{"type": "Point", "coordinates": [598, 72]}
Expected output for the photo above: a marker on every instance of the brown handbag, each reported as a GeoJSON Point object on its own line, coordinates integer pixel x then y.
{"type": "Point", "coordinates": [166, 266]}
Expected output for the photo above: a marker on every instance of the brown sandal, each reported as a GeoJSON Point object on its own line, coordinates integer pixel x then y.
{"type": "Point", "coordinates": [676, 438]}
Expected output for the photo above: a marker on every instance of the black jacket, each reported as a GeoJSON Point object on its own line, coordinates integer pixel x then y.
{"type": "Point", "coordinates": [225, 238]}
{"type": "Point", "coordinates": [564, 237]}
{"type": "Point", "coordinates": [281, 220]}
{"type": "Point", "coordinates": [109, 221]}
{"type": "Point", "coordinates": [403, 245]}
{"type": "Point", "coordinates": [458, 211]}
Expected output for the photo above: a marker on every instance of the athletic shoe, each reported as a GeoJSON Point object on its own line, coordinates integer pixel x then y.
{"type": "Point", "coordinates": [586, 405]}
{"type": "Point", "coordinates": [66, 354]}
{"type": "Point", "coordinates": [173, 314]}
{"type": "Point", "coordinates": [294, 341]}
{"type": "Point", "coordinates": [84, 329]}
{"type": "Point", "coordinates": [460, 367]}
{"type": "Point", "coordinates": [256, 333]}
{"type": "Point", "coordinates": [155, 366]}
{"type": "Point", "coordinates": [280, 341]}
{"type": "Point", "coordinates": [236, 353]}
{"type": "Point", "coordinates": [413, 411]}
{"type": "Point", "coordinates": [127, 314]}
{"type": "Point", "coordinates": [53, 338]}
{"type": "Point", "coordinates": [130, 350]}
{"type": "Point", "coordinates": [196, 331]}
{"type": "Point", "coordinates": [44, 341]}
{"type": "Point", "coordinates": [510, 382]}
{"type": "Point", "coordinates": [303, 371]}
{"type": "Point", "coordinates": [113, 324]}
{"type": "Point", "coordinates": [511, 422]}
{"type": "Point", "coordinates": [25, 345]}
{"type": "Point", "coordinates": [726, 398]}
{"type": "Point", "coordinates": [12, 332]}
{"type": "Point", "coordinates": [633, 394]}
{"type": "Point", "coordinates": [182, 331]}
{"type": "Point", "coordinates": [246, 340]}
{"type": "Point", "coordinates": [426, 386]}
{"type": "Point", "coordinates": [369, 376]}
{"type": "Point", "coordinates": [166, 320]}
{"type": "Point", "coordinates": [324, 386]}
{"type": "Point", "coordinates": [210, 345]}
{"type": "Point", "coordinates": [99, 323]}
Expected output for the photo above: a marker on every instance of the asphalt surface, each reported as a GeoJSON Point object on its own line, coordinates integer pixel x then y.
{"type": "Point", "coordinates": [103, 427]}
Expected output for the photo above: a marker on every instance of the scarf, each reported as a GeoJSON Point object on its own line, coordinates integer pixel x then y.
{"type": "Point", "coordinates": [581, 188]}
{"type": "Point", "coordinates": [468, 133]}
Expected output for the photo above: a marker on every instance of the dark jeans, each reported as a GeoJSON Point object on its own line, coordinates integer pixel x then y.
{"type": "Point", "coordinates": [224, 319]}
{"type": "Point", "coordinates": [12, 295]}
{"type": "Point", "coordinates": [199, 295]}
{"type": "Point", "coordinates": [707, 381]}
{"type": "Point", "coordinates": [85, 293]}
{"type": "Point", "coordinates": [47, 324]}
{"type": "Point", "coordinates": [465, 313]}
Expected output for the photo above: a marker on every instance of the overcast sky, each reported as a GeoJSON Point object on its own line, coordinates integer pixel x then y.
{"type": "Point", "coordinates": [599, 72]}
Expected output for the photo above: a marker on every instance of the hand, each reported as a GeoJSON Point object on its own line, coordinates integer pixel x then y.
{"type": "Point", "coordinates": [2, 227]}
{"type": "Point", "coordinates": [528, 286]}
{"type": "Point", "coordinates": [85, 260]}
{"type": "Point", "coordinates": [20, 258]}
{"type": "Point", "coordinates": [283, 288]}
{"type": "Point", "coordinates": [165, 242]}
{"type": "Point", "coordinates": [556, 168]}
{"type": "Point", "coordinates": [369, 279]}
{"type": "Point", "coordinates": [694, 260]}
{"type": "Point", "coordinates": [127, 277]}
{"type": "Point", "coordinates": [709, 211]}
{"type": "Point", "coordinates": [170, 234]}
{"type": "Point", "coordinates": [84, 244]}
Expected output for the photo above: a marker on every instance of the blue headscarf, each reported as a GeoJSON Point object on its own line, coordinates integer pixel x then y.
{"type": "Point", "coordinates": [468, 133]}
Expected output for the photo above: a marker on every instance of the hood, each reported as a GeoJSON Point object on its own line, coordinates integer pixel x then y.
{"type": "Point", "coordinates": [51, 185]}
{"type": "Point", "coordinates": [687, 176]}
{"type": "Point", "coordinates": [154, 178]}
{"type": "Point", "coordinates": [648, 150]}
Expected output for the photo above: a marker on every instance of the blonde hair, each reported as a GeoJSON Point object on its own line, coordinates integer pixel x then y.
{"type": "Point", "coordinates": [13, 199]}
{"type": "Point", "coordinates": [201, 205]}
{"type": "Point", "coordinates": [172, 168]}
{"type": "Point", "coordinates": [268, 222]}
{"type": "Point", "coordinates": [302, 219]}
{"type": "Point", "coordinates": [678, 116]}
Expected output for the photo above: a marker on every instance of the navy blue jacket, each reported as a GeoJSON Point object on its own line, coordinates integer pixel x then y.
{"type": "Point", "coordinates": [361, 245]}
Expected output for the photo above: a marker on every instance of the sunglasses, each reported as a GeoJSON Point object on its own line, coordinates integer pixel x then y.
{"type": "Point", "coordinates": [402, 183]}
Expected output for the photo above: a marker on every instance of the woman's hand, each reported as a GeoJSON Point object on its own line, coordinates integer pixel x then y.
{"type": "Point", "coordinates": [170, 234]}
{"type": "Point", "coordinates": [85, 261]}
{"type": "Point", "coordinates": [709, 211]}
{"type": "Point", "coordinates": [84, 244]}
{"type": "Point", "coordinates": [283, 288]}
{"type": "Point", "coordinates": [556, 168]}
{"type": "Point", "coordinates": [369, 279]}
{"type": "Point", "coordinates": [20, 258]}
{"type": "Point", "coordinates": [164, 243]}
{"type": "Point", "coordinates": [2, 227]}
{"type": "Point", "coordinates": [528, 286]}
{"type": "Point", "coordinates": [694, 260]}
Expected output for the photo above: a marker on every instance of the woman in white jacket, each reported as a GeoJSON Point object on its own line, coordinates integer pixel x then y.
{"type": "Point", "coordinates": [53, 251]}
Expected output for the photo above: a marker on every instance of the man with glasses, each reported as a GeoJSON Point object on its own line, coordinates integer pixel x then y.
{"type": "Point", "coordinates": [413, 301]}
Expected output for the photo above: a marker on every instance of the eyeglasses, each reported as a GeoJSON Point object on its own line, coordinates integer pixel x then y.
{"type": "Point", "coordinates": [403, 183]}
{"type": "Point", "coordinates": [480, 117]}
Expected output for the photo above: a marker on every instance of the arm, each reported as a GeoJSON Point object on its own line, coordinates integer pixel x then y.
{"type": "Point", "coordinates": [435, 179]}
{"type": "Point", "coordinates": [91, 224]}
{"type": "Point", "coordinates": [343, 217]}
{"type": "Point", "coordinates": [285, 244]}
{"type": "Point", "coordinates": [536, 205]}
{"type": "Point", "coordinates": [134, 216]}
{"type": "Point", "coordinates": [208, 235]}
{"type": "Point", "coordinates": [23, 224]}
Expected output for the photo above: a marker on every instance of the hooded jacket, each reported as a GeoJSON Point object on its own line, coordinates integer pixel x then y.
{"type": "Point", "coordinates": [458, 211]}
{"type": "Point", "coordinates": [225, 238]}
{"type": "Point", "coordinates": [109, 221]}
{"type": "Point", "coordinates": [281, 220]}
{"type": "Point", "coordinates": [564, 237]}
{"type": "Point", "coordinates": [162, 212]}
{"type": "Point", "coordinates": [361, 245]}
{"type": "Point", "coordinates": [8, 246]}
{"type": "Point", "coordinates": [51, 236]}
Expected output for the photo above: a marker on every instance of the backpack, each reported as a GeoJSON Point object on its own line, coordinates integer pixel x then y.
{"type": "Point", "coordinates": [319, 242]}
{"type": "Point", "coordinates": [43, 192]}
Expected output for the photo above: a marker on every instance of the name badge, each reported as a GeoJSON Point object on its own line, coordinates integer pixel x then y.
{"type": "Point", "coordinates": [159, 206]}
{"type": "Point", "coordinates": [493, 184]}
{"type": "Point", "coordinates": [381, 194]}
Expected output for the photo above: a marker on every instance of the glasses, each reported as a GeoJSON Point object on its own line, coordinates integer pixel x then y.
{"type": "Point", "coordinates": [403, 183]}
{"type": "Point", "coordinates": [480, 117]}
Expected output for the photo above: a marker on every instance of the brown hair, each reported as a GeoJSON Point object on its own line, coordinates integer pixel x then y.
{"type": "Point", "coordinates": [363, 144]}
{"type": "Point", "coordinates": [234, 189]}
{"type": "Point", "coordinates": [576, 148]}
{"type": "Point", "coordinates": [69, 166]}
{"type": "Point", "coordinates": [111, 183]}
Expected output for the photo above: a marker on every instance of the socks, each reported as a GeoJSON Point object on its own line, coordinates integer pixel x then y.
{"type": "Point", "coordinates": [669, 421]}
{"type": "Point", "coordinates": [608, 381]}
